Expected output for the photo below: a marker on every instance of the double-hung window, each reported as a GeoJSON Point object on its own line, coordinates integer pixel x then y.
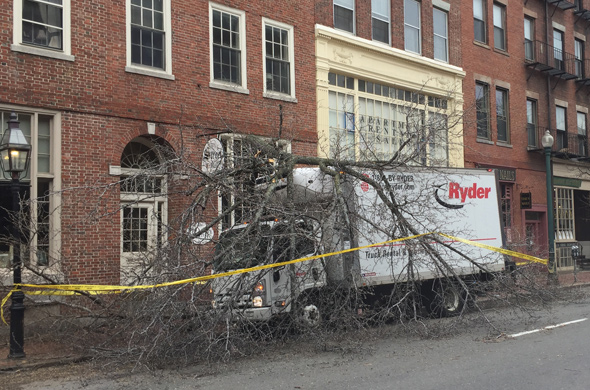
{"type": "Point", "coordinates": [479, 21]}
{"type": "Point", "coordinates": [412, 26]}
{"type": "Point", "coordinates": [582, 149]}
{"type": "Point", "coordinates": [228, 48]}
{"type": "Point", "coordinates": [579, 58]}
{"type": "Point", "coordinates": [380, 12]}
{"type": "Point", "coordinates": [42, 27]}
{"type": "Point", "coordinates": [529, 39]}
{"type": "Point", "coordinates": [344, 15]}
{"type": "Point", "coordinates": [531, 122]}
{"type": "Point", "coordinates": [502, 116]}
{"type": "Point", "coordinates": [441, 34]}
{"type": "Point", "coordinates": [149, 38]}
{"type": "Point", "coordinates": [278, 59]}
{"type": "Point", "coordinates": [560, 126]}
{"type": "Point", "coordinates": [558, 49]}
{"type": "Point", "coordinates": [499, 26]}
{"type": "Point", "coordinates": [482, 107]}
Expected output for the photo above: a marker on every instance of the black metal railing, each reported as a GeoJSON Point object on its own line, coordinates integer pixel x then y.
{"type": "Point", "coordinates": [563, 4]}
{"type": "Point", "coordinates": [547, 58]}
{"type": "Point", "coordinates": [571, 145]}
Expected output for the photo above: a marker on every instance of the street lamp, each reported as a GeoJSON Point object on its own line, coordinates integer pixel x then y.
{"type": "Point", "coordinates": [547, 142]}
{"type": "Point", "coordinates": [14, 154]}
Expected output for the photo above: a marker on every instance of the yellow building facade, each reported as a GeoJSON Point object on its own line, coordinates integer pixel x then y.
{"type": "Point", "coordinates": [378, 103]}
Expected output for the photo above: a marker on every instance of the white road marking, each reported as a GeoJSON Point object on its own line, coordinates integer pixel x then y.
{"type": "Point", "coordinates": [547, 328]}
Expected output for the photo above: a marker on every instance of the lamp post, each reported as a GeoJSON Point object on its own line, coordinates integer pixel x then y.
{"type": "Point", "coordinates": [547, 142]}
{"type": "Point", "coordinates": [14, 154]}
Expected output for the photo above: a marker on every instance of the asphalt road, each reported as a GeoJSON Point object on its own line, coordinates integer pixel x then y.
{"type": "Point", "coordinates": [473, 358]}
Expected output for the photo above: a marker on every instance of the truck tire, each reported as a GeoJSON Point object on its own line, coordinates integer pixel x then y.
{"type": "Point", "coordinates": [310, 315]}
{"type": "Point", "coordinates": [446, 299]}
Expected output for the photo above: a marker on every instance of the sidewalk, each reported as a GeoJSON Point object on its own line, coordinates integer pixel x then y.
{"type": "Point", "coordinates": [45, 353]}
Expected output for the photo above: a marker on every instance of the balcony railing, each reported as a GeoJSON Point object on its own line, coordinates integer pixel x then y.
{"type": "Point", "coordinates": [565, 145]}
{"type": "Point", "coordinates": [563, 4]}
{"type": "Point", "coordinates": [546, 58]}
{"type": "Point", "coordinates": [583, 72]}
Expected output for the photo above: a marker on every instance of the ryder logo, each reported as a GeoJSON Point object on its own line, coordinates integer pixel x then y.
{"type": "Point", "coordinates": [471, 192]}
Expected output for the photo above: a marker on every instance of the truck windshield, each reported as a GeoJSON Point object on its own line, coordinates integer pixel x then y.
{"type": "Point", "coordinates": [236, 249]}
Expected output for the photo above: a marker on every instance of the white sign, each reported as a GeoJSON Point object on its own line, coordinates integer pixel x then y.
{"type": "Point", "coordinates": [202, 238]}
{"type": "Point", "coordinates": [212, 156]}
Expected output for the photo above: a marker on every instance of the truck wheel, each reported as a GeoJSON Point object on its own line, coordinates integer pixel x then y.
{"type": "Point", "coordinates": [448, 300]}
{"type": "Point", "coordinates": [310, 315]}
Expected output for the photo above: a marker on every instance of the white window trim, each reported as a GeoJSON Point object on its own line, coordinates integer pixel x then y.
{"type": "Point", "coordinates": [380, 17]}
{"type": "Point", "coordinates": [446, 13]}
{"type": "Point", "coordinates": [273, 94]}
{"type": "Point", "coordinates": [17, 33]}
{"type": "Point", "coordinates": [419, 27]}
{"type": "Point", "coordinates": [353, 9]}
{"type": "Point", "coordinates": [218, 84]}
{"type": "Point", "coordinates": [230, 137]}
{"type": "Point", "coordinates": [146, 70]}
{"type": "Point", "coordinates": [54, 174]}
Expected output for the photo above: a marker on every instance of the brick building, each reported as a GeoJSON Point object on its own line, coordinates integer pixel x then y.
{"type": "Point", "coordinates": [97, 85]}
{"type": "Point", "coordinates": [526, 73]}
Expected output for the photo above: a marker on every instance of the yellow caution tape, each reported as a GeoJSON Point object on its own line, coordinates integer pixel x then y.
{"type": "Point", "coordinates": [77, 289]}
{"type": "Point", "coordinates": [496, 249]}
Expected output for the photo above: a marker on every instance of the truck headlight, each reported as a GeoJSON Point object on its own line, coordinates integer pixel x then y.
{"type": "Point", "coordinates": [257, 301]}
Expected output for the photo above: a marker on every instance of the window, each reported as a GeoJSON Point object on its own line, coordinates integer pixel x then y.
{"type": "Point", "coordinates": [531, 122]}
{"type": "Point", "coordinates": [482, 107]}
{"type": "Point", "coordinates": [228, 48]}
{"type": "Point", "coordinates": [582, 149]}
{"type": "Point", "coordinates": [278, 59]}
{"type": "Point", "coordinates": [412, 25]}
{"type": "Point", "coordinates": [564, 214]}
{"type": "Point", "coordinates": [499, 27]}
{"type": "Point", "coordinates": [560, 126]}
{"type": "Point", "coordinates": [441, 37]}
{"type": "Point", "coordinates": [42, 27]}
{"type": "Point", "coordinates": [506, 203]}
{"type": "Point", "coordinates": [380, 12]}
{"type": "Point", "coordinates": [502, 115]}
{"type": "Point", "coordinates": [479, 21]}
{"type": "Point", "coordinates": [558, 49]}
{"type": "Point", "coordinates": [579, 58]}
{"type": "Point", "coordinates": [149, 38]}
{"type": "Point", "coordinates": [344, 15]}
{"type": "Point", "coordinates": [239, 193]}
{"type": "Point", "coordinates": [529, 39]}
{"type": "Point", "coordinates": [385, 121]}
{"type": "Point", "coordinates": [41, 131]}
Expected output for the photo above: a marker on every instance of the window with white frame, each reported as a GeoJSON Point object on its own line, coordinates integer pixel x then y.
{"type": "Point", "coordinates": [582, 147]}
{"type": "Point", "coordinates": [370, 121]}
{"type": "Point", "coordinates": [531, 122]}
{"type": "Point", "coordinates": [558, 49]}
{"type": "Point", "coordinates": [564, 214]}
{"type": "Point", "coordinates": [42, 27]}
{"type": "Point", "coordinates": [499, 26]}
{"type": "Point", "coordinates": [42, 132]}
{"type": "Point", "coordinates": [441, 34]}
{"type": "Point", "coordinates": [482, 108]}
{"type": "Point", "coordinates": [529, 38]}
{"type": "Point", "coordinates": [228, 48]}
{"type": "Point", "coordinates": [380, 20]}
{"type": "Point", "coordinates": [479, 21]}
{"type": "Point", "coordinates": [278, 59]}
{"type": "Point", "coordinates": [149, 38]}
{"type": "Point", "coordinates": [238, 200]}
{"type": "Point", "coordinates": [579, 57]}
{"type": "Point", "coordinates": [344, 15]}
{"type": "Point", "coordinates": [412, 26]}
{"type": "Point", "coordinates": [560, 127]}
{"type": "Point", "coordinates": [502, 115]}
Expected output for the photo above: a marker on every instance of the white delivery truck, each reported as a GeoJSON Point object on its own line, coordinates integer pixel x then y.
{"type": "Point", "coordinates": [458, 202]}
